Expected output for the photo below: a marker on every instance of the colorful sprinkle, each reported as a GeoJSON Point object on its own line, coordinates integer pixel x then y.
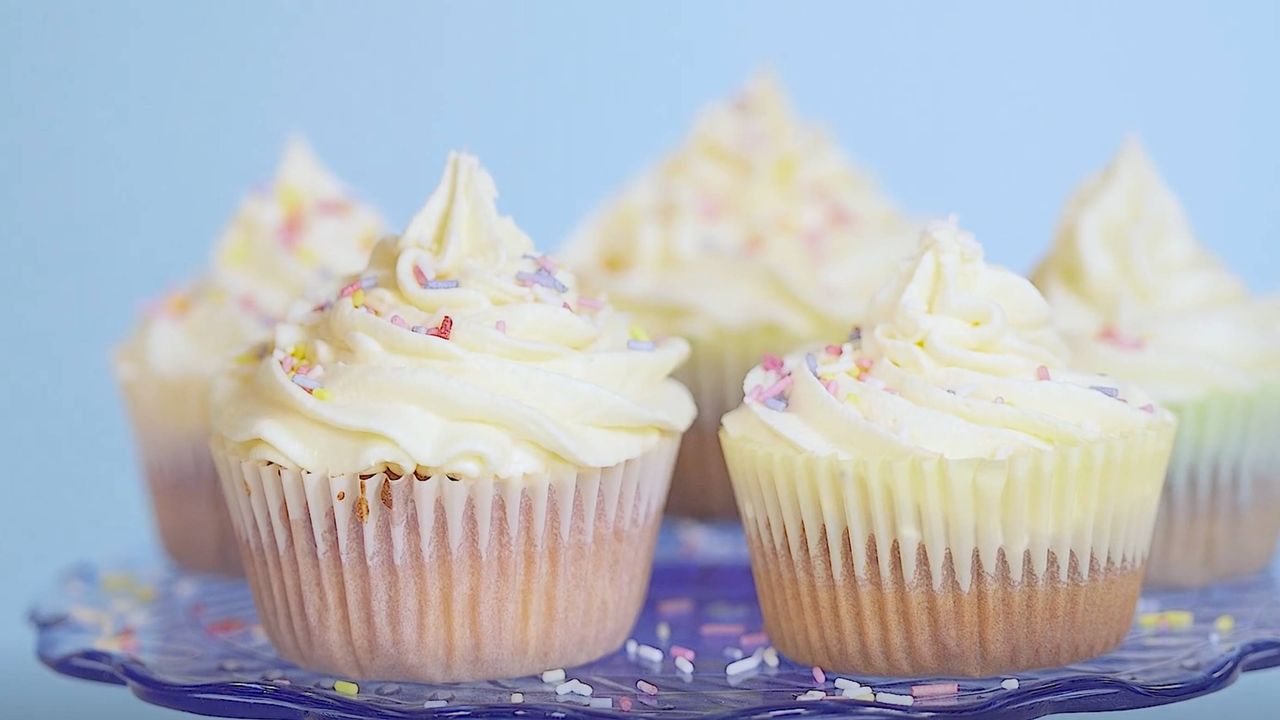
{"type": "Point", "coordinates": [775, 404]}
{"type": "Point", "coordinates": [624, 702]}
{"type": "Point", "coordinates": [753, 640]}
{"type": "Point", "coordinates": [444, 330]}
{"type": "Point", "coordinates": [935, 689]}
{"type": "Point", "coordinates": [1105, 390]}
{"type": "Point", "coordinates": [847, 684]}
{"type": "Point", "coordinates": [811, 361]}
{"type": "Point", "coordinates": [663, 631]}
{"type": "Point", "coordinates": [553, 676]}
{"type": "Point", "coordinates": [895, 699]}
{"type": "Point", "coordinates": [642, 345]}
{"type": "Point", "coordinates": [603, 702]}
{"type": "Point", "coordinates": [1010, 683]}
{"type": "Point", "coordinates": [517, 698]}
{"type": "Point", "coordinates": [782, 385]}
{"type": "Point", "coordinates": [368, 282]}
{"type": "Point", "coordinates": [811, 695]}
{"type": "Point", "coordinates": [1224, 624]}
{"type": "Point", "coordinates": [818, 676]}
{"type": "Point", "coordinates": [1042, 373]}
{"type": "Point", "coordinates": [441, 284]}
{"type": "Point", "coordinates": [357, 298]}
{"type": "Point", "coordinates": [646, 687]}
{"type": "Point", "coordinates": [433, 704]}
{"type": "Point", "coordinates": [675, 606]}
{"type": "Point", "coordinates": [1114, 337]}
{"type": "Point", "coordinates": [346, 687]}
{"type": "Point", "coordinates": [864, 363]}
{"type": "Point", "coordinates": [398, 321]}
{"type": "Point", "coordinates": [770, 657]}
{"type": "Point", "coordinates": [745, 665]}
{"type": "Point", "coordinates": [1179, 619]}
{"type": "Point", "coordinates": [1148, 408]}
{"type": "Point", "coordinates": [419, 276]}
{"type": "Point", "coordinates": [304, 382]}
{"type": "Point", "coordinates": [649, 653]}
{"type": "Point", "coordinates": [832, 387]}
{"type": "Point", "coordinates": [631, 647]}
{"type": "Point", "coordinates": [771, 362]}
{"type": "Point", "coordinates": [684, 665]}
{"type": "Point", "coordinates": [638, 333]}
{"type": "Point", "coordinates": [855, 335]}
{"type": "Point", "coordinates": [590, 303]}
{"type": "Point", "coordinates": [500, 326]}
{"type": "Point", "coordinates": [420, 329]}
{"type": "Point", "coordinates": [679, 651]}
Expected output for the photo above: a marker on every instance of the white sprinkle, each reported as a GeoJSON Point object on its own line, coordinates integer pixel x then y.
{"type": "Point", "coordinates": [601, 702]}
{"type": "Point", "coordinates": [566, 687]}
{"type": "Point", "coordinates": [733, 653]}
{"type": "Point", "coordinates": [811, 695]}
{"type": "Point", "coordinates": [847, 684]}
{"type": "Point", "coordinates": [553, 676]}
{"type": "Point", "coordinates": [1010, 684]}
{"type": "Point", "coordinates": [746, 664]}
{"type": "Point", "coordinates": [770, 656]}
{"type": "Point", "coordinates": [581, 688]}
{"type": "Point", "coordinates": [684, 666]}
{"type": "Point", "coordinates": [664, 631]}
{"type": "Point", "coordinates": [858, 693]}
{"type": "Point", "coordinates": [517, 698]}
{"type": "Point", "coordinates": [894, 699]}
{"type": "Point", "coordinates": [649, 653]}
{"type": "Point", "coordinates": [631, 647]}
{"type": "Point", "coordinates": [434, 704]}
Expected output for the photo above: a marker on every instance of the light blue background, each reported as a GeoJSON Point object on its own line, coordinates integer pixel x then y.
{"type": "Point", "coordinates": [128, 130]}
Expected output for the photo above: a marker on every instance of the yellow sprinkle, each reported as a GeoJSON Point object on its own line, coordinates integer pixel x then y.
{"type": "Point", "coordinates": [638, 333]}
{"type": "Point", "coordinates": [346, 687]}
{"type": "Point", "coordinates": [247, 358]}
{"type": "Point", "coordinates": [290, 199]}
{"type": "Point", "coordinates": [1224, 624]}
{"type": "Point", "coordinates": [237, 250]}
{"type": "Point", "coordinates": [357, 298]}
{"type": "Point", "coordinates": [1148, 621]}
{"type": "Point", "coordinates": [785, 170]}
{"type": "Point", "coordinates": [116, 582]}
{"type": "Point", "coordinates": [298, 351]}
{"type": "Point", "coordinates": [145, 593]}
{"type": "Point", "coordinates": [1179, 619]}
{"type": "Point", "coordinates": [320, 394]}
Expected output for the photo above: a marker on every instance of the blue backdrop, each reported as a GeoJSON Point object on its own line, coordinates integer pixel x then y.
{"type": "Point", "coordinates": [128, 130]}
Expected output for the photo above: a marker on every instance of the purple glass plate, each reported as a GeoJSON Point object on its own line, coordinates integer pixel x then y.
{"type": "Point", "coordinates": [193, 643]}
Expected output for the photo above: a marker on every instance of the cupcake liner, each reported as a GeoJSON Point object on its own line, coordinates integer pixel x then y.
{"type": "Point", "coordinates": [1220, 512]}
{"type": "Point", "coordinates": [987, 566]}
{"type": "Point", "coordinates": [438, 580]}
{"type": "Point", "coordinates": [171, 424]}
{"type": "Point", "coordinates": [714, 375]}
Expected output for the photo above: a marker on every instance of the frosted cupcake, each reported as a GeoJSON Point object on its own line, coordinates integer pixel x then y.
{"type": "Point", "coordinates": [757, 233]}
{"type": "Point", "coordinates": [456, 470]}
{"type": "Point", "coordinates": [943, 494]}
{"type": "Point", "coordinates": [298, 235]}
{"type": "Point", "coordinates": [1139, 298]}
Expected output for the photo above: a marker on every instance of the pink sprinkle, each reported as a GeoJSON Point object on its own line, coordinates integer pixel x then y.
{"type": "Point", "coordinates": [624, 702]}
{"type": "Point", "coordinates": [771, 362]}
{"type": "Point", "coordinates": [684, 652]}
{"type": "Point", "coordinates": [675, 606]}
{"type": "Point", "coordinates": [935, 689]}
{"type": "Point", "coordinates": [710, 629]}
{"type": "Point", "coordinates": [419, 276]}
{"type": "Point", "coordinates": [756, 394]}
{"type": "Point", "coordinates": [779, 387]}
{"type": "Point", "coordinates": [832, 387]}
{"type": "Point", "coordinates": [501, 326]}
{"type": "Point", "coordinates": [546, 263]}
{"type": "Point", "coordinates": [1148, 408]}
{"type": "Point", "coordinates": [646, 687]}
{"type": "Point", "coordinates": [1120, 340]}
{"type": "Point", "coordinates": [590, 303]}
{"type": "Point", "coordinates": [331, 207]}
{"type": "Point", "coordinates": [863, 363]}
{"type": "Point", "coordinates": [1042, 373]}
{"type": "Point", "coordinates": [302, 369]}
{"type": "Point", "coordinates": [892, 391]}
{"type": "Point", "coordinates": [819, 676]}
{"type": "Point", "coordinates": [287, 363]}
{"type": "Point", "coordinates": [753, 640]}
{"type": "Point", "coordinates": [398, 321]}
{"type": "Point", "coordinates": [349, 288]}
{"type": "Point", "coordinates": [835, 350]}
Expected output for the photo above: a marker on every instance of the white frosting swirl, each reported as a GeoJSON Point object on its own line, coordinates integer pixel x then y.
{"type": "Point", "coordinates": [757, 221]}
{"type": "Point", "coordinates": [294, 239]}
{"type": "Point", "coordinates": [1139, 297]}
{"type": "Point", "coordinates": [461, 351]}
{"type": "Point", "coordinates": [957, 359]}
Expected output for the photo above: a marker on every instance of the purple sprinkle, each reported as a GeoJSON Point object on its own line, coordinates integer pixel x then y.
{"type": "Point", "coordinates": [1108, 391]}
{"type": "Point", "coordinates": [645, 345]}
{"type": "Point", "coordinates": [420, 329]}
{"type": "Point", "coordinates": [543, 278]}
{"type": "Point", "coordinates": [775, 403]}
{"type": "Point", "coordinates": [855, 335]}
{"type": "Point", "coordinates": [812, 362]}
{"type": "Point", "coordinates": [441, 284]}
{"type": "Point", "coordinates": [303, 381]}
{"type": "Point", "coordinates": [369, 282]}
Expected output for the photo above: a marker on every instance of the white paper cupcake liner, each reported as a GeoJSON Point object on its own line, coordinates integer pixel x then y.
{"type": "Point", "coordinates": [1220, 512]}
{"type": "Point", "coordinates": [438, 580]}
{"type": "Point", "coordinates": [933, 566]}
{"type": "Point", "coordinates": [172, 430]}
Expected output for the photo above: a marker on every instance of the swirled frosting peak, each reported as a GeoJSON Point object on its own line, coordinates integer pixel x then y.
{"type": "Point", "coordinates": [290, 240]}
{"type": "Point", "coordinates": [956, 358]}
{"type": "Point", "coordinates": [1137, 296]}
{"type": "Point", "coordinates": [462, 350]}
{"type": "Point", "coordinates": [756, 220]}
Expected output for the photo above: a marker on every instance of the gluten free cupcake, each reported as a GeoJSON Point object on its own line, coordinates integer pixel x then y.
{"type": "Point", "coordinates": [298, 235]}
{"type": "Point", "coordinates": [456, 469]}
{"type": "Point", "coordinates": [757, 233]}
{"type": "Point", "coordinates": [1139, 298]}
{"type": "Point", "coordinates": [941, 493]}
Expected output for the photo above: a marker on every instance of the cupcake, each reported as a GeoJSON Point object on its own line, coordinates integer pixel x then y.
{"type": "Point", "coordinates": [1139, 298]}
{"type": "Point", "coordinates": [456, 469]}
{"type": "Point", "coordinates": [296, 236]}
{"type": "Point", "coordinates": [942, 493]}
{"type": "Point", "coordinates": [757, 233]}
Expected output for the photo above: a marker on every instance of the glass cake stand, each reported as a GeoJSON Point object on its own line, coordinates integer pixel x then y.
{"type": "Point", "coordinates": [193, 643]}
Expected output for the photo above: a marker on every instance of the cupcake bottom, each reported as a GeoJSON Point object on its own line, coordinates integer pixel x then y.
{"type": "Point", "coordinates": [908, 627]}
{"type": "Point", "coordinates": [437, 580]}
{"type": "Point", "coordinates": [186, 497]}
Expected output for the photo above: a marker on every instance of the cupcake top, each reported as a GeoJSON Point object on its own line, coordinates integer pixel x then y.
{"type": "Point", "coordinates": [298, 236]}
{"type": "Point", "coordinates": [459, 350]}
{"type": "Point", "coordinates": [956, 359]}
{"type": "Point", "coordinates": [757, 220]}
{"type": "Point", "coordinates": [1137, 296]}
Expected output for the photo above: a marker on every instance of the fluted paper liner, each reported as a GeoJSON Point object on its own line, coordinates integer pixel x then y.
{"type": "Point", "coordinates": [714, 374]}
{"type": "Point", "coordinates": [439, 580]}
{"type": "Point", "coordinates": [171, 424]}
{"type": "Point", "coordinates": [958, 567]}
{"type": "Point", "coordinates": [1220, 512]}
